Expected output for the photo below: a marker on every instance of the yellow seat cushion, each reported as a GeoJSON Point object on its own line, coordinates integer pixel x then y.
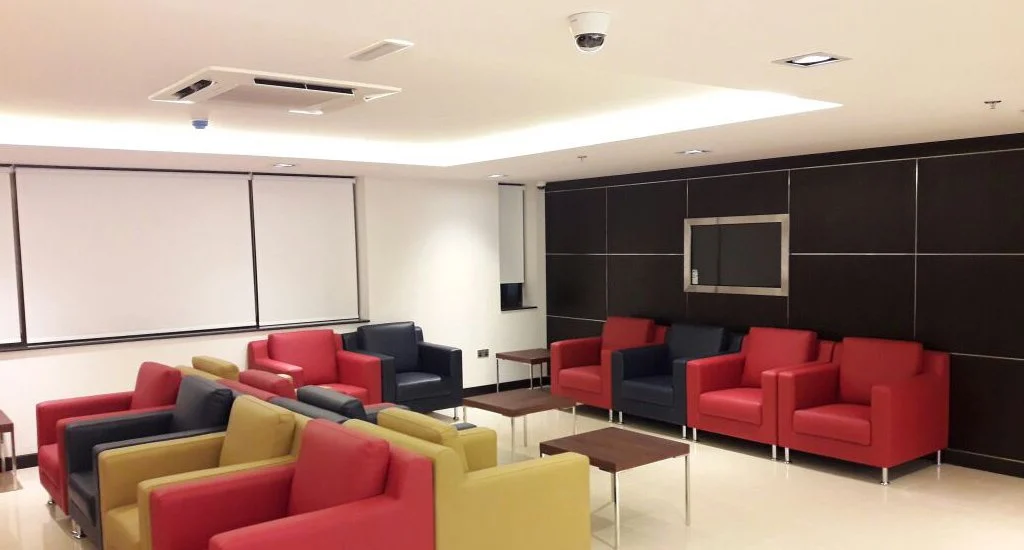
{"type": "Point", "coordinates": [121, 529]}
{"type": "Point", "coordinates": [424, 427]}
{"type": "Point", "coordinates": [257, 431]}
{"type": "Point", "coordinates": [216, 367]}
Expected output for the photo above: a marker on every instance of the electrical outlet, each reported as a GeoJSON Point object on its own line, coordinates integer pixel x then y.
{"type": "Point", "coordinates": [481, 353]}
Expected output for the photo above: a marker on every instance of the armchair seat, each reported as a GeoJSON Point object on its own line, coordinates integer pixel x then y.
{"type": "Point", "coordinates": [586, 379]}
{"type": "Point", "coordinates": [123, 524]}
{"type": "Point", "coordinates": [740, 404]}
{"type": "Point", "coordinates": [362, 394]}
{"type": "Point", "coordinates": [418, 385]}
{"type": "Point", "coordinates": [842, 421]}
{"type": "Point", "coordinates": [649, 389]}
{"type": "Point", "coordinates": [84, 493]}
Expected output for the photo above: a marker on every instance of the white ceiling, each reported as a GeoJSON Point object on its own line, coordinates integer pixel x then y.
{"type": "Point", "coordinates": [920, 72]}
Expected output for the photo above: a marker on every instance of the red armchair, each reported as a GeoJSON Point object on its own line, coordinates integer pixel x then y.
{"type": "Point", "coordinates": [316, 358]}
{"type": "Point", "coordinates": [156, 388]}
{"type": "Point", "coordinates": [737, 394]}
{"type": "Point", "coordinates": [347, 489]}
{"type": "Point", "coordinates": [879, 403]}
{"type": "Point", "coordinates": [261, 385]}
{"type": "Point", "coordinates": [581, 369]}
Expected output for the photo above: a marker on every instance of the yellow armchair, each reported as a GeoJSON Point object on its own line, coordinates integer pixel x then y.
{"type": "Point", "coordinates": [215, 366]}
{"type": "Point", "coordinates": [541, 504]}
{"type": "Point", "coordinates": [258, 434]}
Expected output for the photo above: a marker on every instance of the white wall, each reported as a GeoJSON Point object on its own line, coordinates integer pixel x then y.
{"type": "Point", "coordinates": [428, 252]}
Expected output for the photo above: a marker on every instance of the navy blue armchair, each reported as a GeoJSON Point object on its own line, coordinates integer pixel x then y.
{"type": "Point", "coordinates": [424, 377]}
{"type": "Point", "coordinates": [650, 382]}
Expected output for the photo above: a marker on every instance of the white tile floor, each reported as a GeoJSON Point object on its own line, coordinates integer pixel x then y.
{"type": "Point", "coordinates": [741, 500]}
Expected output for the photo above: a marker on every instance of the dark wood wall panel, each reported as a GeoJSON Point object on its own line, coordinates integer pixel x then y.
{"type": "Point", "coordinates": [972, 304]}
{"type": "Point", "coordinates": [972, 203]}
{"type": "Point", "coordinates": [986, 407]}
{"type": "Point", "coordinates": [853, 208]}
{"type": "Point", "coordinates": [744, 195]}
{"type": "Point", "coordinates": [840, 296]}
{"type": "Point", "coordinates": [646, 286]}
{"type": "Point", "coordinates": [560, 328]}
{"type": "Point", "coordinates": [647, 218]}
{"type": "Point", "coordinates": [737, 311]}
{"type": "Point", "coordinates": [575, 221]}
{"type": "Point", "coordinates": [576, 286]}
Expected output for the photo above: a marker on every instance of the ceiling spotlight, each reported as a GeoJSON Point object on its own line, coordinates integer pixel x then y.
{"type": "Point", "coordinates": [378, 50]}
{"type": "Point", "coordinates": [312, 112]}
{"type": "Point", "coordinates": [693, 152]}
{"type": "Point", "coordinates": [284, 165]}
{"type": "Point", "coordinates": [497, 176]}
{"type": "Point", "coordinates": [811, 60]}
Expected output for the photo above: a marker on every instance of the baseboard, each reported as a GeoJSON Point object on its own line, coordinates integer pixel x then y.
{"type": "Point", "coordinates": [24, 461]}
{"type": "Point", "coordinates": [988, 463]}
{"type": "Point", "coordinates": [489, 388]}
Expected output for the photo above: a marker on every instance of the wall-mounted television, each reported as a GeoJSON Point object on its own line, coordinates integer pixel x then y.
{"type": "Point", "coordinates": [737, 255]}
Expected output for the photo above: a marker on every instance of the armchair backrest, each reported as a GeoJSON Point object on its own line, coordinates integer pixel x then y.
{"type": "Point", "coordinates": [313, 350]}
{"type": "Point", "coordinates": [201, 404]}
{"type": "Point", "coordinates": [256, 431]}
{"type": "Point", "coordinates": [156, 385]}
{"type": "Point", "coordinates": [865, 362]}
{"type": "Point", "coordinates": [395, 339]}
{"type": "Point", "coordinates": [770, 348]}
{"type": "Point", "coordinates": [686, 340]}
{"type": "Point", "coordinates": [215, 366]}
{"type": "Point", "coordinates": [626, 332]}
{"type": "Point", "coordinates": [337, 466]}
{"type": "Point", "coordinates": [336, 402]}
{"type": "Point", "coordinates": [426, 428]}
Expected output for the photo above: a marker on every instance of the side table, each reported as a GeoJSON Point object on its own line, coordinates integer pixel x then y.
{"type": "Point", "coordinates": [530, 357]}
{"type": "Point", "coordinates": [7, 427]}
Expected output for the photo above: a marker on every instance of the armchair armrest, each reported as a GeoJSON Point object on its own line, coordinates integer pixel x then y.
{"type": "Point", "coordinates": [280, 367]}
{"type": "Point", "coordinates": [388, 384]}
{"type": "Point", "coordinates": [81, 437]}
{"type": "Point", "coordinates": [481, 446]}
{"type": "Point", "coordinates": [121, 470]}
{"type": "Point", "coordinates": [445, 361]}
{"type": "Point", "coordinates": [911, 416]}
{"type": "Point", "coordinates": [808, 386]}
{"type": "Point", "coordinates": [186, 515]}
{"type": "Point", "coordinates": [638, 362]}
{"type": "Point", "coordinates": [48, 413]}
{"type": "Point", "coordinates": [269, 382]}
{"type": "Point", "coordinates": [575, 353]}
{"type": "Point", "coordinates": [361, 370]}
{"type": "Point", "coordinates": [714, 373]}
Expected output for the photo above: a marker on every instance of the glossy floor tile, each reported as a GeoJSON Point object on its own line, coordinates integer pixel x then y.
{"type": "Point", "coordinates": [740, 499]}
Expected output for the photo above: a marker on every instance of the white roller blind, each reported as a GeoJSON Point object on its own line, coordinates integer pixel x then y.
{"type": "Point", "coordinates": [10, 322]}
{"type": "Point", "coordinates": [305, 249]}
{"type": "Point", "coordinates": [511, 244]}
{"type": "Point", "coordinates": [116, 253]}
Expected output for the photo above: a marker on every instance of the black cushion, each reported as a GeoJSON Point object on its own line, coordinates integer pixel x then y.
{"type": "Point", "coordinates": [459, 426]}
{"type": "Point", "coordinates": [84, 491]}
{"type": "Point", "coordinates": [307, 410]}
{"type": "Point", "coordinates": [333, 401]}
{"type": "Point", "coordinates": [685, 340]}
{"type": "Point", "coordinates": [649, 389]}
{"type": "Point", "coordinates": [395, 339]}
{"type": "Point", "coordinates": [417, 385]}
{"type": "Point", "coordinates": [350, 341]}
{"type": "Point", "coordinates": [201, 404]}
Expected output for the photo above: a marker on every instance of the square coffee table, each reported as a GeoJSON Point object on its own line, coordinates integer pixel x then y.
{"type": "Point", "coordinates": [519, 403]}
{"type": "Point", "coordinates": [614, 450]}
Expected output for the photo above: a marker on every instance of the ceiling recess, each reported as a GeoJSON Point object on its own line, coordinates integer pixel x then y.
{"type": "Point", "coordinates": [378, 50]}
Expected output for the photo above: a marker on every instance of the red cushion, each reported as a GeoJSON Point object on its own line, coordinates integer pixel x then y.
{"type": "Point", "coordinates": [581, 378]}
{"type": "Point", "coordinates": [337, 465]}
{"type": "Point", "coordinates": [770, 348]}
{"type": "Point", "coordinates": [841, 421]}
{"type": "Point", "coordinates": [865, 362]}
{"type": "Point", "coordinates": [626, 332]}
{"type": "Point", "coordinates": [268, 381]}
{"type": "Point", "coordinates": [49, 463]}
{"type": "Point", "coordinates": [741, 404]}
{"type": "Point", "coordinates": [361, 394]}
{"type": "Point", "coordinates": [155, 386]}
{"type": "Point", "coordinates": [313, 350]}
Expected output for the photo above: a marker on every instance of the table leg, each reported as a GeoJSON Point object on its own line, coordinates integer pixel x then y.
{"type": "Point", "coordinates": [524, 432]}
{"type": "Point", "coordinates": [14, 455]}
{"type": "Point", "coordinates": [512, 443]}
{"type": "Point", "coordinates": [574, 420]}
{"type": "Point", "coordinates": [531, 376]}
{"type": "Point", "coordinates": [3, 452]}
{"type": "Point", "coordinates": [686, 461]}
{"type": "Point", "coordinates": [615, 503]}
{"type": "Point", "coordinates": [497, 375]}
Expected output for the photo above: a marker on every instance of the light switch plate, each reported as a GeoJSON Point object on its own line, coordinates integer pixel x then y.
{"type": "Point", "coordinates": [694, 277]}
{"type": "Point", "coordinates": [481, 353]}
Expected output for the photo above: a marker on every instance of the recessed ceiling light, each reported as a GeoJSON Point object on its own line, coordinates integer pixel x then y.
{"type": "Point", "coordinates": [284, 165]}
{"type": "Point", "coordinates": [693, 152]}
{"type": "Point", "coordinates": [378, 50]}
{"type": "Point", "coordinates": [496, 176]}
{"type": "Point", "coordinates": [313, 112]}
{"type": "Point", "coordinates": [811, 60]}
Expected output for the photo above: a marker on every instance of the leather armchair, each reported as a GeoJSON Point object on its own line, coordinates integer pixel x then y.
{"type": "Point", "coordinates": [322, 402]}
{"type": "Point", "coordinates": [424, 377]}
{"type": "Point", "coordinates": [650, 381]}
{"type": "Point", "coordinates": [202, 407]}
{"type": "Point", "coordinates": [217, 367]}
{"type": "Point", "coordinates": [346, 489]}
{"type": "Point", "coordinates": [541, 504]}
{"type": "Point", "coordinates": [878, 402]}
{"type": "Point", "coordinates": [258, 435]}
{"type": "Point", "coordinates": [261, 385]}
{"type": "Point", "coordinates": [581, 369]}
{"type": "Point", "coordinates": [316, 358]}
{"type": "Point", "coordinates": [156, 388]}
{"type": "Point", "coordinates": [737, 394]}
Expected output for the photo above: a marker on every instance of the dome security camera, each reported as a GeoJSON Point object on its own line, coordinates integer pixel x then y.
{"type": "Point", "coordinates": [589, 30]}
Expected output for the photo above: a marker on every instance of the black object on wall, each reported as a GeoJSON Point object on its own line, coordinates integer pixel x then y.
{"type": "Point", "coordinates": [920, 242]}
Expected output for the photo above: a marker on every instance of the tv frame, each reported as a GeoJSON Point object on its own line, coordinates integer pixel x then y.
{"type": "Point", "coordinates": [781, 290]}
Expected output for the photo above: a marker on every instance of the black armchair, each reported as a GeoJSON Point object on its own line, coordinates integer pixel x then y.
{"type": "Point", "coordinates": [424, 377]}
{"type": "Point", "coordinates": [650, 382]}
{"type": "Point", "coordinates": [202, 407]}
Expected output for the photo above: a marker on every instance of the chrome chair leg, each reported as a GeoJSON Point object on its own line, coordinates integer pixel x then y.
{"type": "Point", "coordinates": [684, 432]}
{"type": "Point", "coordinates": [775, 452]}
{"type": "Point", "coordinates": [938, 458]}
{"type": "Point", "coordinates": [76, 530]}
{"type": "Point", "coordinates": [695, 435]}
{"type": "Point", "coordinates": [885, 476]}
{"type": "Point", "coordinates": [611, 415]}
{"type": "Point", "coordinates": [785, 454]}
{"type": "Point", "coordinates": [620, 417]}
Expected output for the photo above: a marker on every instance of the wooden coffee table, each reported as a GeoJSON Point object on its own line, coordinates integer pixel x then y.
{"type": "Point", "coordinates": [519, 403]}
{"type": "Point", "coordinates": [539, 356]}
{"type": "Point", "coordinates": [614, 450]}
